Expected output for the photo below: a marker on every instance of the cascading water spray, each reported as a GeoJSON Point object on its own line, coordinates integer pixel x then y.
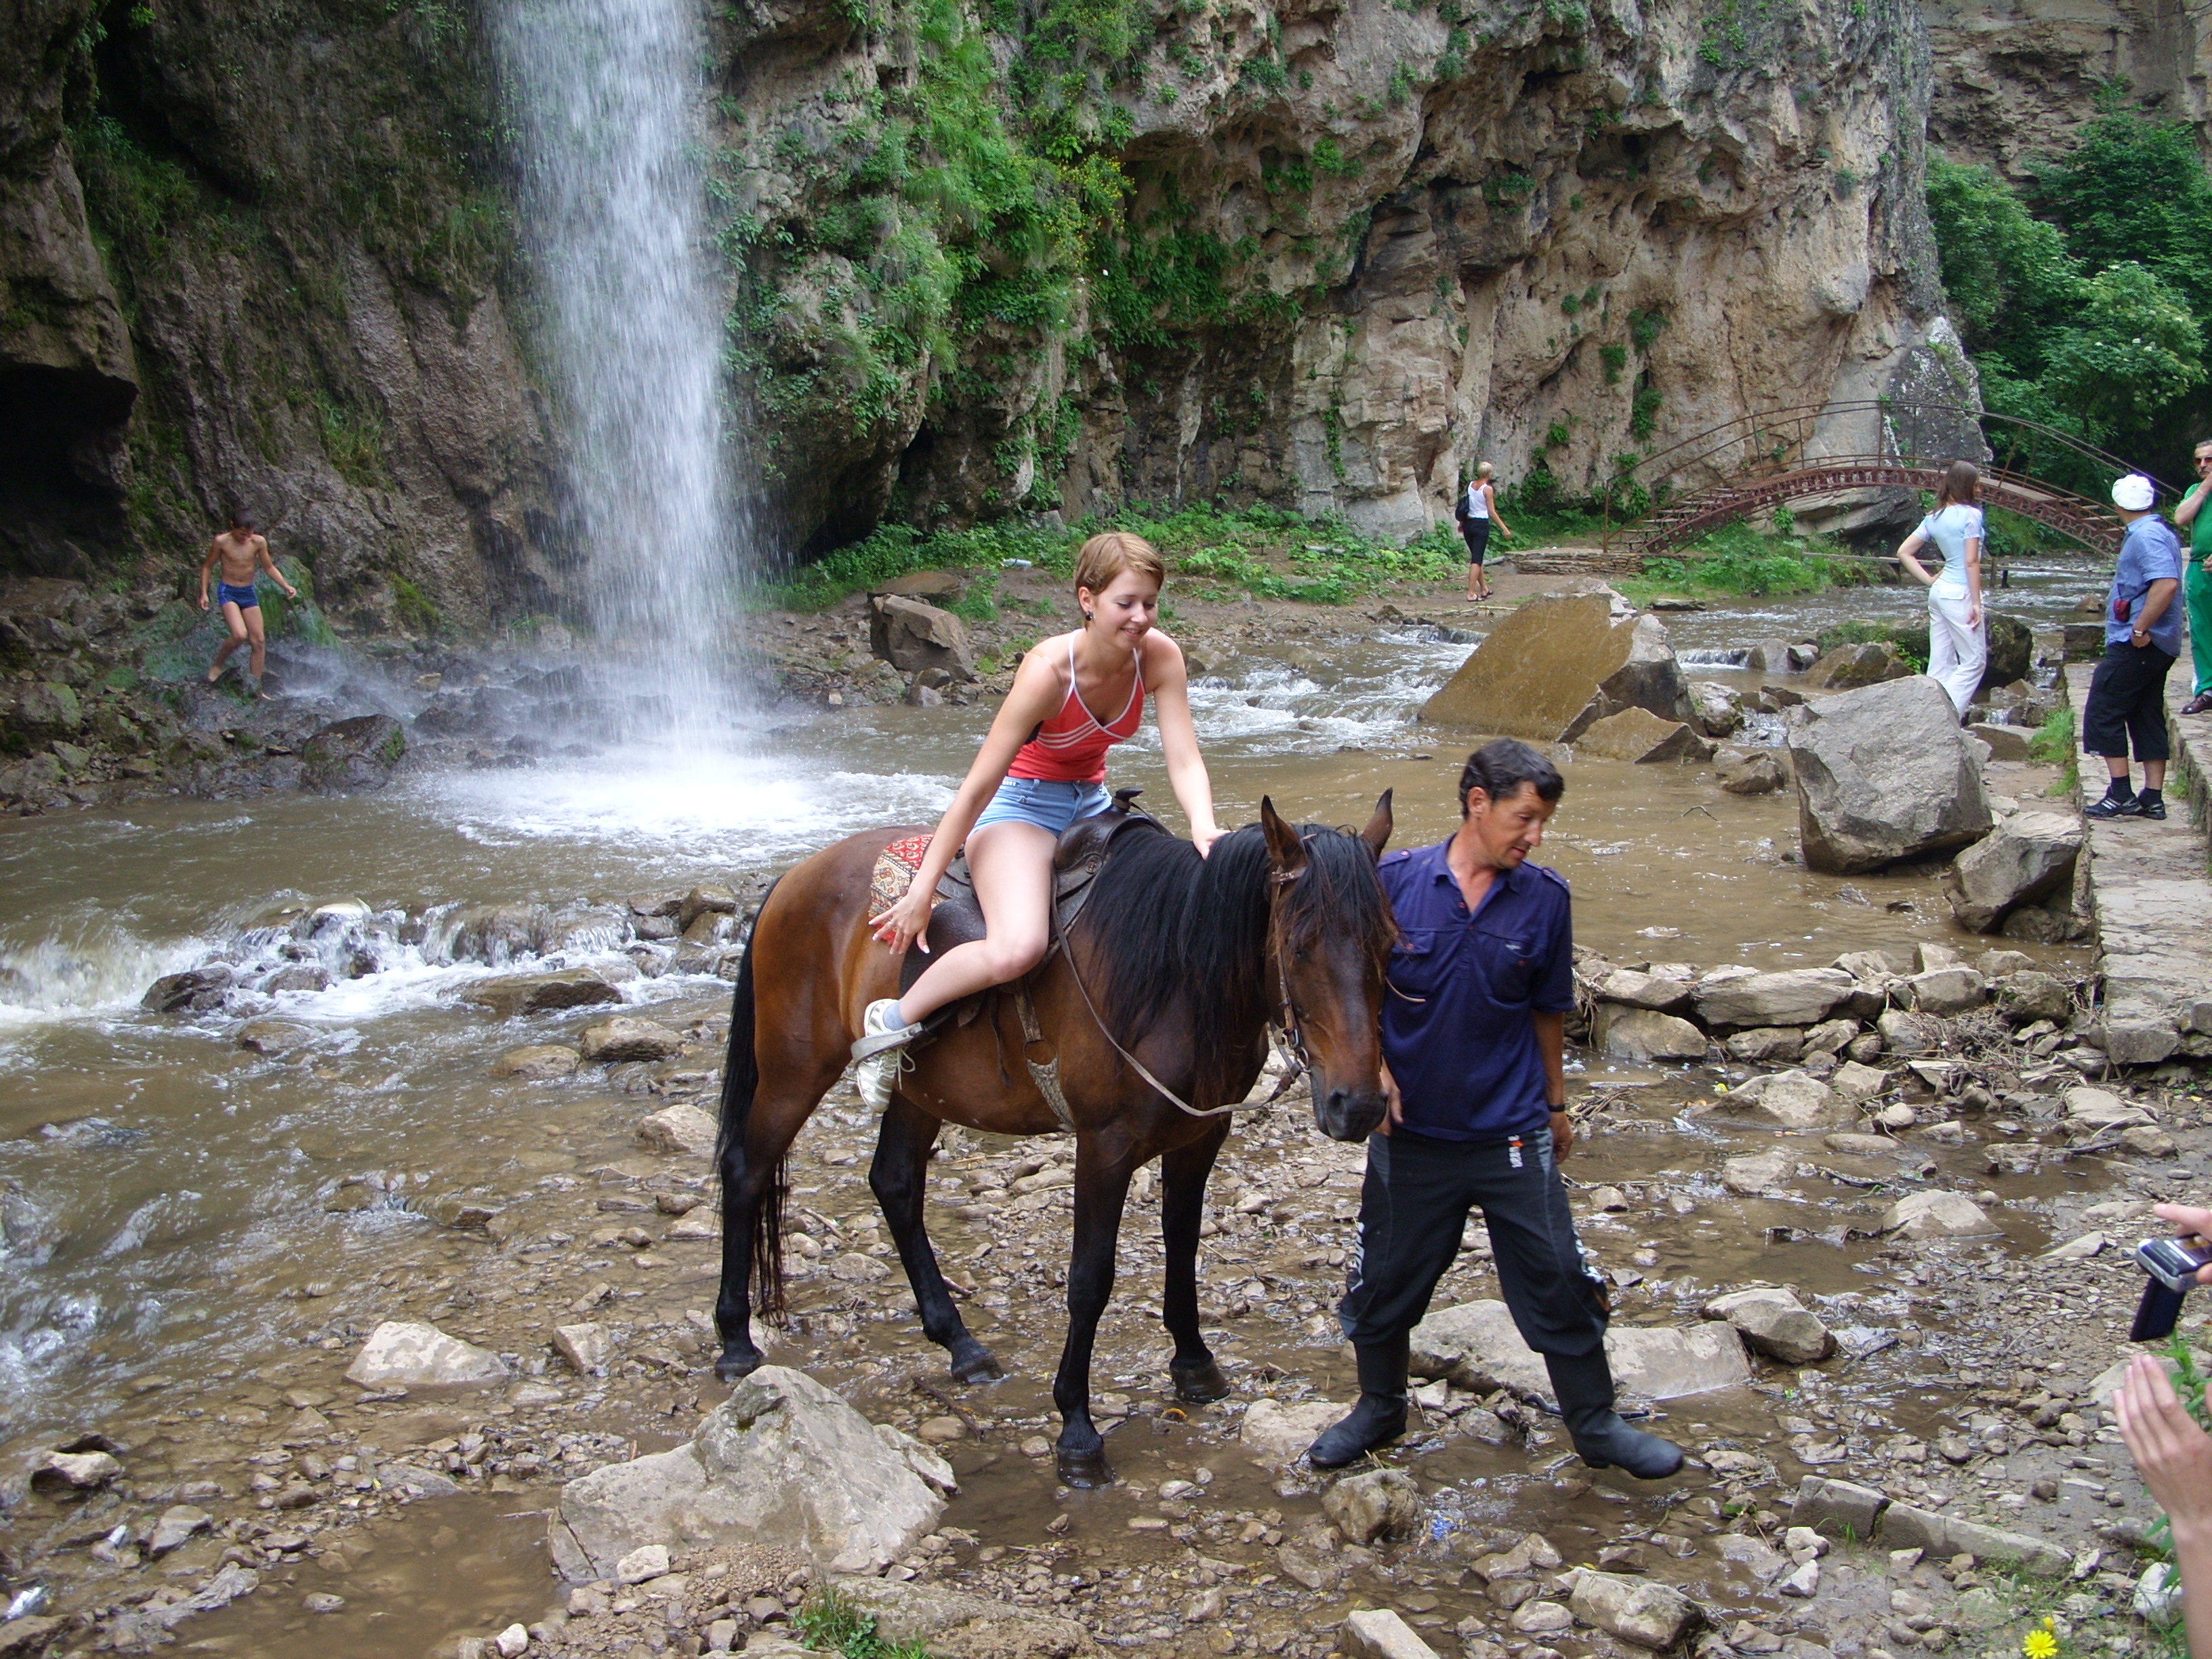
{"type": "Point", "coordinates": [606, 93]}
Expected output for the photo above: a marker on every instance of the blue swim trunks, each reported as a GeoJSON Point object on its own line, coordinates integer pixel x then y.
{"type": "Point", "coordinates": [244, 598]}
{"type": "Point", "coordinates": [1042, 801]}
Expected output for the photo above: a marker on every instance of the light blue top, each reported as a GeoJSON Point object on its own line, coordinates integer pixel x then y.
{"type": "Point", "coordinates": [1950, 528]}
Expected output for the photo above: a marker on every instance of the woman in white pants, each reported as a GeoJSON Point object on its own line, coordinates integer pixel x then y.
{"type": "Point", "coordinates": [1958, 643]}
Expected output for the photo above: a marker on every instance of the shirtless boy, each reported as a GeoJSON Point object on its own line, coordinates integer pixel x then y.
{"type": "Point", "coordinates": [243, 553]}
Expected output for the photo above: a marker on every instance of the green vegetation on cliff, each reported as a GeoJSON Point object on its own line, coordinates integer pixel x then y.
{"type": "Point", "coordinates": [2085, 300]}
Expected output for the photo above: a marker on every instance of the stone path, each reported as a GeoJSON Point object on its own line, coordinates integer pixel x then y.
{"type": "Point", "coordinates": [2148, 887]}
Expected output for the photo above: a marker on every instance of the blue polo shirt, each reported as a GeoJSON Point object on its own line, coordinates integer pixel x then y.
{"type": "Point", "coordinates": [1455, 1016]}
{"type": "Point", "coordinates": [2149, 552]}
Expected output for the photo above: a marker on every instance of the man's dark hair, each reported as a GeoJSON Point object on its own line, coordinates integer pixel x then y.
{"type": "Point", "coordinates": [1499, 769]}
{"type": "Point", "coordinates": [240, 518]}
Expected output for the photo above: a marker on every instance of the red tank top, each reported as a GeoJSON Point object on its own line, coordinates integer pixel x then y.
{"type": "Point", "coordinates": [1070, 747]}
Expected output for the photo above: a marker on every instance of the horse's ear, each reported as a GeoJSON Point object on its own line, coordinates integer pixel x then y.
{"type": "Point", "coordinates": [1377, 834]}
{"type": "Point", "coordinates": [1287, 851]}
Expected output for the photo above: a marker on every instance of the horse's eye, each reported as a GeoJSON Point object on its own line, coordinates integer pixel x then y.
{"type": "Point", "coordinates": [1298, 953]}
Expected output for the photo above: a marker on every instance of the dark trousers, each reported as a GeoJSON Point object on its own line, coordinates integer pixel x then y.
{"type": "Point", "coordinates": [1476, 532]}
{"type": "Point", "coordinates": [1412, 1209]}
{"type": "Point", "coordinates": [2127, 702]}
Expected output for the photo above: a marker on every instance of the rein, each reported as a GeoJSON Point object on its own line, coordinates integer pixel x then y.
{"type": "Point", "coordinates": [1292, 1043]}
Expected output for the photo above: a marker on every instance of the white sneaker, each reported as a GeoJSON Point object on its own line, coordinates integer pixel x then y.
{"type": "Point", "coordinates": [882, 1052]}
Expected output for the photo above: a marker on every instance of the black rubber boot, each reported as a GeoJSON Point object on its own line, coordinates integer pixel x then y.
{"type": "Point", "coordinates": [1584, 1387]}
{"type": "Point", "coordinates": [1380, 1416]}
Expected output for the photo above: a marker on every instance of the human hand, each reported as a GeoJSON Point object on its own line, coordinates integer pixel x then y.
{"type": "Point", "coordinates": [906, 922]}
{"type": "Point", "coordinates": [2187, 1219]}
{"type": "Point", "coordinates": [1974, 614]}
{"type": "Point", "coordinates": [2173, 1455]}
{"type": "Point", "coordinates": [1563, 1135]}
{"type": "Point", "coordinates": [1204, 839]}
{"type": "Point", "coordinates": [291, 591]}
{"type": "Point", "coordinates": [1396, 1114]}
{"type": "Point", "coordinates": [2140, 640]}
{"type": "Point", "coordinates": [203, 598]}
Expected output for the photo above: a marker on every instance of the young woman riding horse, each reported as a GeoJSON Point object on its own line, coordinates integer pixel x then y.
{"type": "Point", "coordinates": [1042, 766]}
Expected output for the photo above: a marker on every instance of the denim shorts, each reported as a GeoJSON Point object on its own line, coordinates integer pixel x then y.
{"type": "Point", "coordinates": [1047, 805]}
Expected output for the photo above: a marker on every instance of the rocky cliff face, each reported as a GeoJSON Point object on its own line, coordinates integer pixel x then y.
{"type": "Point", "coordinates": [2014, 78]}
{"type": "Point", "coordinates": [1041, 254]}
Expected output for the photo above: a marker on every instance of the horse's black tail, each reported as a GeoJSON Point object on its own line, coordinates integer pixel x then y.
{"type": "Point", "coordinates": [740, 1080]}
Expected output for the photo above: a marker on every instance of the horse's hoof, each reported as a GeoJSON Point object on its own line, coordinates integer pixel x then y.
{"type": "Point", "coordinates": [736, 1362]}
{"type": "Point", "coordinates": [1199, 1385]}
{"type": "Point", "coordinates": [1085, 1471]}
{"type": "Point", "coordinates": [973, 1363]}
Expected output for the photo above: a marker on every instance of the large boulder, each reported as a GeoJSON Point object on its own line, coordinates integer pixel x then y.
{"type": "Point", "coordinates": [2025, 858]}
{"type": "Point", "coordinates": [1559, 665]}
{"type": "Point", "coordinates": [2012, 651]}
{"type": "Point", "coordinates": [356, 753]}
{"type": "Point", "coordinates": [911, 636]}
{"type": "Point", "coordinates": [1477, 1346]}
{"type": "Point", "coordinates": [1645, 1034]}
{"type": "Point", "coordinates": [1640, 736]}
{"type": "Point", "coordinates": [1849, 666]}
{"type": "Point", "coordinates": [1797, 996]}
{"type": "Point", "coordinates": [1884, 774]}
{"type": "Point", "coordinates": [782, 1461]}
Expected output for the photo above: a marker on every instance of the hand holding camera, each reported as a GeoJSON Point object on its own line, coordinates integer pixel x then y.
{"type": "Point", "coordinates": [2174, 1265]}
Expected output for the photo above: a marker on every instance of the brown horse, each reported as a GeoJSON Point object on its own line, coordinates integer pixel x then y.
{"type": "Point", "coordinates": [1186, 960]}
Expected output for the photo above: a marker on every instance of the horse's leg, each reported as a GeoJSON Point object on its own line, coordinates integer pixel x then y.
{"type": "Point", "coordinates": [900, 1177]}
{"type": "Point", "coordinates": [1183, 1173]}
{"type": "Point", "coordinates": [1100, 1190]}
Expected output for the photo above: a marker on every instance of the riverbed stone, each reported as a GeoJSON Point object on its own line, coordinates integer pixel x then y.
{"type": "Point", "coordinates": [1795, 1100]}
{"type": "Point", "coordinates": [1767, 1045]}
{"type": "Point", "coordinates": [1277, 1433]}
{"type": "Point", "coordinates": [680, 1130]}
{"type": "Point", "coordinates": [1906, 1034]}
{"type": "Point", "coordinates": [1775, 1324]}
{"type": "Point", "coordinates": [952, 1624]}
{"type": "Point", "coordinates": [406, 1353]}
{"type": "Point", "coordinates": [587, 1346]}
{"type": "Point", "coordinates": [627, 1037]}
{"type": "Point", "coordinates": [1748, 1174]}
{"type": "Point", "coordinates": [1795, 996]}
{"type": "Point", "coordinates": [782, 1461]}
{"type": "Point", "coordinates": [1380, 1633]}
{"type": "Point", "coordinates": [1638, 735]}
{"type": "Point", "coordinates": [353, 754]}
{"type": "Point", "coordinates": [1937, 1215]}
{"type": "Point", "coordinates": [1557, 666]}
{"type": "Point", "coordinates": [1907, 1526]}
{"type": "Point", "coordinates": [2030, 995]}
{"type": "Point", "coordinates": [1849, 666]}
{"type": "Point", "coordinates": [1753, 772]}
{"type": "Point", "coordinates": [1642, 1034]}
{"type": "Point", "coordinates": [510, 996]}
{"type": "Point", "coordinates": [278, 1039]}
{"type": "Point", "coordinates": [2027, 857]}
{"type": "Point", "coordinates": [1884, 774]}
{"type": "Point", "coordinates": [538, 1062]}
{"type": "Point", "coordinates": [1840, 1508]}
{"type": "Point", "coordinates": [175, 1527]}
{"type": "Point", "coordinates": [1719, 707]}
{"type": "Point", "coordinates": [1651, 1615]}
{"type": "Point", "coordinates": [1634, 989]}
{"type": "Point", "coordinates": [1854, 1083]}
{"type": "Point", "coordinates": [1945, 993]}
{"type": "Point", "coordinates": [912, 635]}
{"type": "Point", "coordinates": [1476, 1346]}
{"type": "Point", "coordinates": [73, 1471]}
{"type": "Point", "coordinates": [1379, 1504]}
{"type": "Point", "coordinates": [196, 990]}
{"type": "Point", "coordinates": [2101, 1109]}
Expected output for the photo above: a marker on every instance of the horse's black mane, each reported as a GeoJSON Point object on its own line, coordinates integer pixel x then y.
{"type": "Point", "coordinates": [1169, 929]}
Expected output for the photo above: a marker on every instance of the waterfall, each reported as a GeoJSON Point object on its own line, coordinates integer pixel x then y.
{"type": "Point", "coordinates": [605, 94]}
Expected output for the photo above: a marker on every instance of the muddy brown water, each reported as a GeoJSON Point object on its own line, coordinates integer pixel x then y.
{"type": "Point", "coordinates": [171, 1269]}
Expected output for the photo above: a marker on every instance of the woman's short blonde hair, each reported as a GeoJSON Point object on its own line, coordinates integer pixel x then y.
{"type": "Point", "coordinates": [1104, 558]}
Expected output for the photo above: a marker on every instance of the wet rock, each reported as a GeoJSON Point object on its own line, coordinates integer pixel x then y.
{"type": "Point", "coordinates": [949, 1625]}
{"type": "Point", "coordinates": [1795, 1100]}
{"type": "Point", "coordinates": [1634, 1609]}
{"type": "Point", "coordinates": [1849, 666]}
{"type": "Point", "coordinates": [353, 754]}
{"type": "Point", "coordinates": [2147, 1142]}
{"type": "Point", "coordinates": [2157, 1598]}
{"type": "Point", "coordinates": [1884, 774]}
{"type": "Point", "coordinates": [541, 1062]}
{"type": "Point", "coordinates": [1937, 1215]}
{"type": "Point", "coordinates": [1753, 772]}
{"type": "Point", "coordinates": [497, 933]}
{"type": "Point", "coordinates": [297, 976]}
{"type": "Point", "coordinates": [1906, 1034]}
{"type": "Point", "coordinates": [1632, 989]}
{"type": "Point", "coordinates": [1767, 1045]}
{"type": "Point", "coordinates": [1380, 1504]}
{"type": "Point", "coordinates": [587, 1347]}
{"type": "Point", "coordinates": [1797, 996]}
{"type": "Point", "coordinates": [711, 899]}
{"type": "Point", "coordinates": [1280, 1433]}
{"type": "Point", "coordinates": [678, 1131]}
{"type": "Point", "coordinates": [1775, 1324]}
{"type": "Point", "coordinates": [194, 990]}
{"type": "Point", "coordinates": [512, 995]}
{"type": "Point", "coordinates": [1719, 710]}
{"type": "Point", "coordinates": [30, 1633]}
{"type": "Point", "coordinates": [626, 1037]}
{"type": "Point", "coordinates": [2102, 1109]}
{"type": "Point", "coordinates": [911, 635]}
{"type": "Point", "coordinates": [1542, 1619]}
{"type": "Point", "coordinates": [2027, 995]}
{"type": "Point", "coordinates": [1860, 1146]}
{"type": "Point", "coordinates": [1642, 737]}
{"type": "Point", "coordinates": [1379, 1633]}
{"type": "Point", "coordinates": [2023, 861]}
{"type": "Point", "coordinates": [73, 1470]}
{"type": "Point", "coordinates": [1772, 657]}
{"type": "Point", "coordinates": [1903, 1526]}
{"type": "Point", "coordinates": [1475, 1347]}
{"type": "Point", "coordinates": [782, 1461]}
{"type": "Point", "coordinates": [176, 1527]}
{"type": "Point", "coordinates": [1841, 1508]}
{"type": "Point", "coordinates": [1945, 993]}
{"type": "Point", "coordinates": [1641, 1034]}
{"type": "Point", "coordinates": [279, 1039]}
{"type": "Point", "coordinates": [408, 1354]}
{"type": "Point", "coordinates": [1854, 1083]}
{"type": "Point", "coordinates": [1557, 666]}
{"type": "Point", "coordinates": [1749, 1174]}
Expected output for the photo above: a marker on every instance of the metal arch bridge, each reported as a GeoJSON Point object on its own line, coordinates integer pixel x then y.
{"type": "Point", "coordinates": [1758, 462]}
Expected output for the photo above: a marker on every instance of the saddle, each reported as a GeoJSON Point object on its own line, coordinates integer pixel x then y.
{"type": "Point", "coordinates": [957, 919]}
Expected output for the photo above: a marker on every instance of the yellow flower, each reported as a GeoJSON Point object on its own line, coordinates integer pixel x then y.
{"type": "Point", "coordinates": [2039, 1644]}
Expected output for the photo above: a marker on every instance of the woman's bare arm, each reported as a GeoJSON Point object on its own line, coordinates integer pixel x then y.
{"type": "Point", "coordinates": [1911, 546]}
{"type": "Point", "coordinates": [1167, 678]}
